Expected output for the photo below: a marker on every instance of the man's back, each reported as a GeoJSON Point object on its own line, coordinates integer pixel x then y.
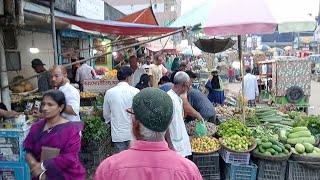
{"type": "Point", "coordinates": [84, 72]}
{"type": "Point", "coordinates": [117, 101]}
{"type": "Point", "coordinates": [250, 86]}
{"type": "Point", "coordinates": [148, 161]}
{"type": "Point", "coordinates": [201, 103]}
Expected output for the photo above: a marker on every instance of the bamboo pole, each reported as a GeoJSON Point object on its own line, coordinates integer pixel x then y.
{"type": "Point", "coordinates": [242, 78]}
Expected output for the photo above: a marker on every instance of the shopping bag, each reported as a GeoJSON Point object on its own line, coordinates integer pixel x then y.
{"type": "Point", "coordinates": [201, 129]}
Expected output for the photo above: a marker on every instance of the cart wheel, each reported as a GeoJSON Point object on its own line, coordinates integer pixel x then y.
{"type": "Point", "coordinates": [306, 110]}
{"type": "Point", "coordinates": [294, 94]}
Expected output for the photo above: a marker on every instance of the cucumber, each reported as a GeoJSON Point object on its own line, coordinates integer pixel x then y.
{"type": "Point", "coordinates": [281, 154]}
{"type": "Point", "coordinates": [288, 123]}
{"type": "Point", "coordinates": [261, 150]}
{"type": "Point", "coordinates": [287, 146]}
{"type": "Point", "coordinates": [273, 141]}
{"type": "Point", "coordinates": [272, 151]}
{"type": "Point", "coordinates": [293, 150]}
{"type": "Point", "coordinates": [297, 129]}
{"type": "Point", "coordinates": [267, 153]}
{"type": "Point", "coordinates": [277, 148]}
{"type": "Point", "coordinates": [270, 120]}
{"type": "Point", "coordinates": [266, 145]}
{"type": "Point", "coordinates": [317, 149]}
{"type": "Point", "coordinates": [299, 134]}
{"type": "Point", "coordinates": [282, 135]}
{"type": "Point", "coordinates": [313, 155]}
{"type": "Point", "coordinates": [282, 147]}
{"type": "Point", "coordinates": [264, 140]}
{"type": "Point", "coordinates": [310, 140]}
{"type": "Point", "coordinates": [286, 151]}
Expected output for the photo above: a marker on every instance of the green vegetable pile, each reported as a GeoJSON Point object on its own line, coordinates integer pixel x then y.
{"type": "Point", "coordinates": [252, 121]}
{"type": "Point", "coordinates": [232, 127]}
{"type": "Point", "coordinates": [298, 135]}
{"type": "Point", "coordinates": [297, 115]}
{"type": "Point", "coordinates": [237, 143]}
{"type": "Point", "coordinates": [264, 131]}
{"type": "Point", "coordinates": [271, 147]}
{"type": "Point", "coordinates": [312, 123]}
{"type": "Point", "coordinates": [95, 130]}
{"type": "Point", "coordinates": [306, 149]}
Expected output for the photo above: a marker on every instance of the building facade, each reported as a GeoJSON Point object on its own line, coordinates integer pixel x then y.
{"type": "Point", "coordinates": [166, 11]}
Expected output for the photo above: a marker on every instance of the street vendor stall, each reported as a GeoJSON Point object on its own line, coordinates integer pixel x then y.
{"type": "Point", "coordinates": [291, 81]}
{"type": "Point", "coordinates": [12, 157]}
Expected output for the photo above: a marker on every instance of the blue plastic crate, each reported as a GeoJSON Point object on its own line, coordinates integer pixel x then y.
{"type": "Point", "coordinates": [303, 170]}
{"type": "Point", "coordinates": [234, 157]}
{"type": "Point", "coordinates": [241, 172]}
{"type": "Point", "coordinates": [208, 165]}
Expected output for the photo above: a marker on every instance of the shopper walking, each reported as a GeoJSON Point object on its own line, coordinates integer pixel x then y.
{"type": "Point", "coordinates": [251, 90]}
{"type": "Point", "coordinates": [53, 143]}
{"type": "Point", "coordinates": [177, 135]}
{"type": "Point", "coordinates": [116, 101]}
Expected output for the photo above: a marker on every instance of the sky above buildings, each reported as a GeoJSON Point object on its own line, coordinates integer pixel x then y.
{"type": "Point", "coordinates": [301, 6]}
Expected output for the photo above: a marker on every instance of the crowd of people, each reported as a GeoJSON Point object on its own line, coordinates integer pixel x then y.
{"type": "Point", "coordinates": [147, 111]}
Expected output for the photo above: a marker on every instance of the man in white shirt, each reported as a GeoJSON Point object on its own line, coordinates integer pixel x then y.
{"type": "Point", "coordinates": [60, 81]}
{"type": "Point", "coordinates": [137, 72]}
{"type": "Point", "coordinates": [84, 72]}
{"type": "Point", "coordinates": [177, 136]}
{"type": "Point", "coordinates": [117, 101]}
{"type": "Point", "coordinates": [148, 64]}
{"type": "Point", "coordinates": [251, 90]}
{"type": "Point", "coordinates": [156, 71]}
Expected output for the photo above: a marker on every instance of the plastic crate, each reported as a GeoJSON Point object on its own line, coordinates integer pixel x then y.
{"type": "Point", "coordinates": [241, 171]}
{"type": "Point", "coordinates": [301, 171]}
{"type": "Point", "coordinates": [93, 159]}
{"type": "Point", "coordinates": [208, 165]}
{"type": "Point", "coordinates": [271, 170]}
{"type": "Point", "coordinates": [233, 157]}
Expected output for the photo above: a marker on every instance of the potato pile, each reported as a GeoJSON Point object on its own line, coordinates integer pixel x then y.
{"type": "Point", "coordinates": [224, 111]}
{"type": "Point", "coordinates": [211, 128]}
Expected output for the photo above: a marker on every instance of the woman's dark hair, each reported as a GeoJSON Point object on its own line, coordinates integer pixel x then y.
{"type": "Point", "coordinates": [144, 82]}
{"type": "Point", "coordinates": [164, 80]}
{"type": "Point", "coordinates": [124, 72]}
{"type": "Point", "coordinates": [57, 96]}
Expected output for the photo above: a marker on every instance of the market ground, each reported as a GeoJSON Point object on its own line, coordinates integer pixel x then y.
{"type": "Point", "coordinates": [314, 99]}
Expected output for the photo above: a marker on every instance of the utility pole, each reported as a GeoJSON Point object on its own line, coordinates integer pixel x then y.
{"type": "Point", "coordinates": [5, 94]}
{"type": "Point", "coordinates": [54, 34]}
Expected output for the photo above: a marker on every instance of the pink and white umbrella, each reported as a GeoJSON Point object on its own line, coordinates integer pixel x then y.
{"type": "Point", "coordinates": [234, 17]}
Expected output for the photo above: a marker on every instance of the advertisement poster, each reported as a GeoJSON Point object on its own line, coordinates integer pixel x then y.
{"type": "Point", "coordinates": [9, 149]}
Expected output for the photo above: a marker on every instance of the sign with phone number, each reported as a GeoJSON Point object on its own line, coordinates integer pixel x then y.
{"type": "Point", "coordinates": [99, 85]}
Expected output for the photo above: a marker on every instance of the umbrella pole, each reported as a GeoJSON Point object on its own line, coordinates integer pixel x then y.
{"type": "Point", "coordinates": [242, 79]}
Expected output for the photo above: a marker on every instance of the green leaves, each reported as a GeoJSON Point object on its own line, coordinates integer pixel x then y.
{"type": "Point", "coordinates": [95, 129]}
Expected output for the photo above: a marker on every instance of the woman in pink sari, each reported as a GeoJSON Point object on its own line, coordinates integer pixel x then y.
{"type": "Point", "coordinates": [53, 143]}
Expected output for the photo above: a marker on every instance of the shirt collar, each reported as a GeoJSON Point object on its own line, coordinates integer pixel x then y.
{"type": "Point", "coordinates": [150, 146]}
{"type": "Point", "coordinates": [123, 84]}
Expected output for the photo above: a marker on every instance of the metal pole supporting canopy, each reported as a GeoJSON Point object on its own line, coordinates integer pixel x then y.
{"type": "Point", "coordinates": [54, 34]}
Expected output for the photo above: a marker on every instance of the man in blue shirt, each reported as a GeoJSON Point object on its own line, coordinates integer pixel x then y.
{"type": "Point", "coordinates": [200, 102]}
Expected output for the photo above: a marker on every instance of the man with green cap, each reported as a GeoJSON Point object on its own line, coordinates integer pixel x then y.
{"type": "Point", "coordinates": [149, 156]}
{"type": "Point", "coordinates": [44, 80]}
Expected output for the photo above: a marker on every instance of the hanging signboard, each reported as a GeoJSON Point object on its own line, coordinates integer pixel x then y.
{"type": "Point", "coordinates": [99, 85]}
